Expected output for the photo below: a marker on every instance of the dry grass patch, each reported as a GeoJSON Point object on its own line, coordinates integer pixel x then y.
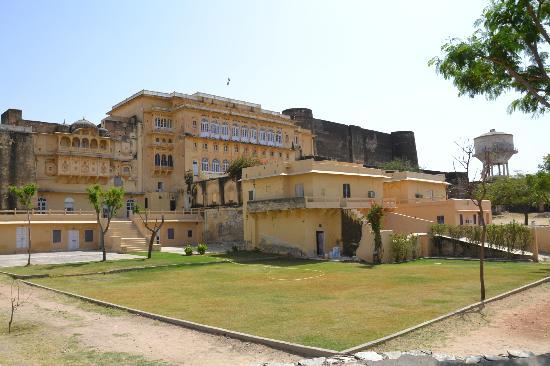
{"type": "Point", "coordinates": [340, 306]}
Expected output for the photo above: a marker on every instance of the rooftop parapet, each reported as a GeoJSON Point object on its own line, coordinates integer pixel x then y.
{"type": "Point", "coordinates": [310, 166]}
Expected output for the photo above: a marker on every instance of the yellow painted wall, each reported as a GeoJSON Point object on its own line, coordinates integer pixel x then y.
{"type": "Point", "coordinates": [294, 228]}
{"type": "Point", "coordinates": [42, 236]}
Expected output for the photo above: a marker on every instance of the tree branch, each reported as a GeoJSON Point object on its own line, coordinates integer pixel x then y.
{"type": "Point", "coordinates": [535, 51]}
{"type": "Point", "coordinates": [514, 74]}
{"type": "Point", "coordinates": [537, 22]}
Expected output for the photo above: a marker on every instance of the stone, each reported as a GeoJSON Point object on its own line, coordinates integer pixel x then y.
{"type": "Point", "coordinates": [416, 352]}
{"type": "Point", "coordinates": [340, 360]}
{"type": "Point", "coordinates": [394, 355]}
{"type": "Point", "coordinates": [317, 361]}
{"type": "Point", "coordinates": [441, 357]}
{"type": "Point", "coordinates": [369, 356]}
{"type": "Point", "coordinates": [472, 359]}
{"type": "Point", "coordinates": [517, 353]}
{"type": "Point", "coordinates": [495, 357]}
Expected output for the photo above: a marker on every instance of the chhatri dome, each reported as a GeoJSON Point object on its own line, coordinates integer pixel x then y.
{"type": "Point", "coordinates": [82, 123]}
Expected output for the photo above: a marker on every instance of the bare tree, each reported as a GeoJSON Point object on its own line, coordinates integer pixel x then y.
{"type": "Point", "coordinates": [476, 191]}
{"type": "Point", "coordinates": [152, 226]}
{"type": "Point", "coordinates": [15, 300]}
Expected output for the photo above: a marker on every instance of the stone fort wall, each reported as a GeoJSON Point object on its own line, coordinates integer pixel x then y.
{"type": "Point", "coordinates": [355, 144]}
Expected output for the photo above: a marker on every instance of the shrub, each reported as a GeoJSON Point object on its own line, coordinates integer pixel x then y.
{"type": "Point", "coordinates": [400, 246]}
{"type": "Point", "coordinates": [234, 248]}
{"type": "Point", "coordinates": [202, 248]}
{"type": "Point", "coordinates": [188, 250]}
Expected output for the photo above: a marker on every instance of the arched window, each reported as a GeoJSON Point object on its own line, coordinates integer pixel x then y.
{"type": "Point", "coordinates": [157, 159]}
{"type": "Point", "coordinates": [103, 144]}
{"type": "Point", "coordinates": [214, 128]}
{"type": "Point", "coordinates": [235, 132]}
{"type": "Point", "coordinates": [69, 204]}
{"type": "Point", "coordinates": [204, 165]}
{"type": "Point", "coordinates": [42, 205]}
{"type": "Point", "coordinates": [93, 144]}
{"type": "Point", "coordinates": [244, 133]}
{"type": "Point", "coordinates": [262, 136]}
{"type": "Point", "coordinates": [216, 165]}
{"type": "Point", "coordinates": [225, 165]}
{"type": "Point", "coordinates": [279, 138]}
{"type": "Point", "coordinates": [76, 142]}
{"type": "Point", "coordinates": [253, 135]}
{"type": "Point", "coordinates": [225, 131]}
{"type": "Point", "coordinates": [163, 161]}
{"type": "Point", "coordinates": [65, 142]}
{"type": "Point", "coordinates": [204, 127]}
{"type": "Point", "coordinates": [85, 143]}
{"type": "Point", "coordinates": [170, 161]}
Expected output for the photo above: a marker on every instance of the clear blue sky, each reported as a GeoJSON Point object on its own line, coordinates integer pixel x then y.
{"type": "Point", "coordinates": [356, 62]}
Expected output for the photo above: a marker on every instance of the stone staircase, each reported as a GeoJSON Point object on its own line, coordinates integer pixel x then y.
{"type": "Point", "coordinates": [131, 238]}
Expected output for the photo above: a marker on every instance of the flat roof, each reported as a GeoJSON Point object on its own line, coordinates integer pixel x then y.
{"type": "Point", "coordinates": [314, 171]}
{"type": "Point", "coordinates": [421, 180]}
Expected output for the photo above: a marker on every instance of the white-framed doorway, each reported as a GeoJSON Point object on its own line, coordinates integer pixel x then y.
{"type": "Point", "coordinates": [73, 240]}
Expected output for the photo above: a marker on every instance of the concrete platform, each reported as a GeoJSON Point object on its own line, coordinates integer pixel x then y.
{"type": "Point", "coordinates": [16, 260]}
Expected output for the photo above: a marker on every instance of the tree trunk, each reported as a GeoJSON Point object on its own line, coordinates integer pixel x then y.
{"type": "Point", "coordinates": [102, 244]}
{"type": "Point", "coordinates": [11, 315]}
{"type": "Point", "coordinates": [526, 218]}
{"type": "Point", "coordinates": [151, 242]}
{"type": "Point", "coordinates": [29, 236]}
{"type": "Point", "coordinates": [482, 253]}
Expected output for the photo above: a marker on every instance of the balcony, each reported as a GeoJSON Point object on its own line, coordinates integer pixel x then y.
{"type": "Point", "coordinates": [47, 216]}
{"type": "Point", "coordinates": [290, 203]}
{"type": "Point", "coordinates": [82, 151]}
{"type": "Point", "coordinates": [162, 169]}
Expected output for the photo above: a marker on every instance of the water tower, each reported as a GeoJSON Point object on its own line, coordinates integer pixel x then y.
{"type": "Point", "coordinates": [495, 148]}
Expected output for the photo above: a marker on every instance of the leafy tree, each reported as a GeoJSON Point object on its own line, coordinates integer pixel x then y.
{"type": "Point", "coordinates": [399, 164]}
{"type": "Point", "coordinates": [25, 195]}
{"type": "Point", "coordinates": [375, 220]}
{"type": "Point", "coordinates": [235, 171]}
{"type": "Point", "coordinates": [522, 191]}
{"type": "Point", "coordinates": [152, 226]}
{"type": "Point", "coordinates": [507, 51]}
{"type": "Point", "coordinates": [110, 201]}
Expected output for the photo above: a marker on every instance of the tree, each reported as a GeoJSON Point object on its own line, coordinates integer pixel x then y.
{"type": "Point", "coordinates": [399, 164]}
{"type": "Point", "coordinates": [152, 227]}
{"type": "Point", "coordinates": [25, 195]}
{"type": "Point", "coordinates": [375, 220]}
{"type": "Point", "coordinates": [507, 51]}
{"type": "Point", "coordinates": [522, 191]}
{"type": "Point", "coordinates": [235, 171]}
{"type": "Point", "coordinates": [476, 191]}
{"type": "Point", "coordinates": [109, 202]}
{"type": "Point", "coordinates": [545, 166]}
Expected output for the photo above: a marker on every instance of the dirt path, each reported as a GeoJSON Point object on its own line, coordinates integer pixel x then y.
{"type": "Point", "coordinates": [79, 327]}
{"type": "Point", "coordinates": [520, 321]}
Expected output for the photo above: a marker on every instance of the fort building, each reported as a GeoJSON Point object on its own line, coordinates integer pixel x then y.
{"type": "Point", "coordinates": [322, 205]}
{"type": "Point", "coordinates": [170, 152]}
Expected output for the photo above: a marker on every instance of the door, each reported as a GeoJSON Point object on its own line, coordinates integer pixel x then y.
{"type": "Point", "coordinates": [172, 204]}
{"type": "Point", "coordinates": [21, 237]}
{"type": "Point", "coordinates": [74, 240]}
{"type": "Point", "coordinates": [320, 236]}
{"type": "Point", "coordinates": [130, 207]}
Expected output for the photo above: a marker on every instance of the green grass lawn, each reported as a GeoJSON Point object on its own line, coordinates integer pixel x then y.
{"type": "Point", "coordinates": [323, 304]}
